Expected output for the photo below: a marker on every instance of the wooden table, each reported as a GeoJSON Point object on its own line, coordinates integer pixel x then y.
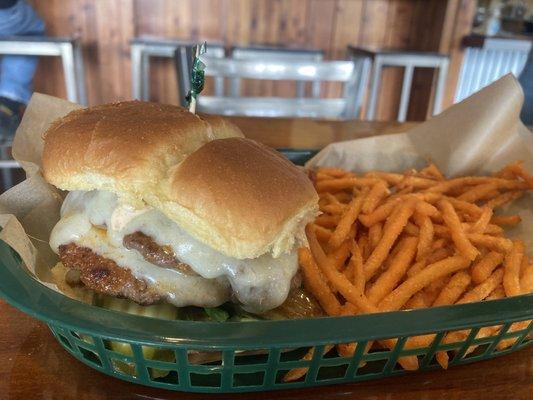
{"type": "Point", "coordinates": [312, 134]}
{"type": "Point", "coordinates": [34, 366]}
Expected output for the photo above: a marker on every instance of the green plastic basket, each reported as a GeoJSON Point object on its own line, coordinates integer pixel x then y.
{"type": "Point", "coordinates": [271, 348]}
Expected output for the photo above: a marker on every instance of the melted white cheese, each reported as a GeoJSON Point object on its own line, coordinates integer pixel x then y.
{"type": "Point", "coordinates": [259, 284]}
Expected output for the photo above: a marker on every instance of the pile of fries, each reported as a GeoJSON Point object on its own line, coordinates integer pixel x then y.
{"type": "Point", "coordinates": [389, 241]}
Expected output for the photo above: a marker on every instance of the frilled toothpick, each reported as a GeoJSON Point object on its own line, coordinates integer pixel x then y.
{"type": "Point", "coordinates": [197, 76]}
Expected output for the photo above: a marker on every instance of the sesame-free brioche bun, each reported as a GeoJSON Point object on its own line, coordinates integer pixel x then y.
{"type": "Point", "coordinates": [125, 147]}
{"type": "Point", "coordinates": [239, 197]}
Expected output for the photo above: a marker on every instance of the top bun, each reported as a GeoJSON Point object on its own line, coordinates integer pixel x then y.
{"type": "Point", "coordinates": [124, 147]}
{"type": "Point", "coordinates": [237, 196]}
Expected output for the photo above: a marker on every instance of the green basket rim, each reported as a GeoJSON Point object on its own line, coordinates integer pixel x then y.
{"type": "Point", "coordinates": [19, 289]}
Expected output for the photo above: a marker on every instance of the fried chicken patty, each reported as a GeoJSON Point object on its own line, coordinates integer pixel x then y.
{"type": "Point", "coordinates": [162, 256]}
{"type": "Point", "coordinates": [105, 276]}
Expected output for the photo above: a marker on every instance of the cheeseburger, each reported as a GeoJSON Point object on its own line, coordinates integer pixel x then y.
{"type": "Point", "coordinates": [168, 206]}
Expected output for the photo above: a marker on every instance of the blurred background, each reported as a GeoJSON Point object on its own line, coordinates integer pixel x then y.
{"type": "Point", "coordinates": [387, 60]}
{"type": "Point", "coordinates": [106, 29]}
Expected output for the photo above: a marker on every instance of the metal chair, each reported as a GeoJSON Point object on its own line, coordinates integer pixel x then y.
{"type": "Point", "coordinates": [67, 48]}
{"type": "Point", "coordinates": [407, 59]}
{"type": "Point", "coordinates": [487, 59]}
{"type": "Point", "coordinates": [338, 71]}
{"type": "Point", "coordinates": [277, 54]}
{"type": "Point", "coordinates": [7, 164]}
{"type": "Point", "coordinates": [72, 59]}
{"type": "Point", "coordinates": [143, 48]}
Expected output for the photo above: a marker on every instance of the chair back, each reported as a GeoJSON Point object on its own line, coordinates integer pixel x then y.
{"type": "Point", "coordinates": [373, 62]}
{"type": "Point", "coordinates": [277, 54]}
{"type": "Point", "coordinates": [344, 107]}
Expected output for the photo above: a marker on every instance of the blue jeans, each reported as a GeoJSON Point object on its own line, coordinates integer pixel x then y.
{"type": "Point", "coordinates": [526, 80]}
{"type": "Point", "coordinates": [16, 72]}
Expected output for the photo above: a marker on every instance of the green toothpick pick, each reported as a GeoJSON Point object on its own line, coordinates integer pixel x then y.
{"type": "Point", "coordinates": [197, 76]}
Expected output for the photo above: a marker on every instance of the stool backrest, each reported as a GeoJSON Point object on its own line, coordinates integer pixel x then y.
{"type": "Point", "coordinates": [258, 69]}
{"type": "Point", "coordinates": [277, 54]}
{"type": "Point", "coordinates": [483, 65]}
{"type": "Point", "coordinates": [409, 60]}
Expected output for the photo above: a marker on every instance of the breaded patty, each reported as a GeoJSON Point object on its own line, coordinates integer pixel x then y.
{"type": "Point", "coordinates": [105, 276]}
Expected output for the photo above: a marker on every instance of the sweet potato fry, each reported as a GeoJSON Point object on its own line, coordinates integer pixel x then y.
{"type": "Point", "coordinates": [429, 209]}
{"type": "Point", "coordinates": [342, 284]}
{"type": "Point", "coordinates": [316, 283]}
{"type": "Point", "coordinates": [495, 243]}
{"type": "Point", "coordinates": [500, 183]}
{"type": "Point", "coordinates": [411, 229]}
{"type": "Point", "coordinates": [322, 233]}
{"type": "Point", "coordinates": [364, 246]}
{"type": "Point", "coordinates": [397, 298]}
{"type": "Point", "coordinates": [416, 182]}
{"type": "Point", "coordinates": [515, 170]}
{"type": "Point", "coordinates": [381, 213]}
{"type": "Point", "coordinates": [297, 373]}
{"type": "Point", "coordinates": [453, 289]}
{"type": "Point", "coordinates": [356, 263]}
{"type": "Point", "coordinates": [416, 301]}
{"type": "Point", "coordinates": [513, 262]}
{"type": "Point", "coordinates": [337, 184]}
{"type": "Point", "coordinates": [343, 197]}
{"type": "Point", "coordinates": [481, 291]}
{"type": "Point", "coordinates": [346, 221]}
{"type": "Point", "coordinates": [332, 208]}
{"type": "Point", "coordinates": [432, 171]}
{"type": "Point", "coordinates": [374, 235]}
{"type": "Point", "coordinates": [340, 255]}
{"type": "Point", "coordinates": [378, 191]}
{"type": "Point", "coordinates": [483, 267]}
{"type": "Point", "coordinates": [481, 224]}
{"type": "Point", "coordinates": [327, 221]}
{"type": "Point", "coordinates": [498, 293]}
{"type": "Point", "coordinates": [510, 220]}
{"type": "Point", "coordinates": [526, 277]}
{"type": "Point", "coordinates": [389, 177]}
{"type": "Point", "coordinates": [335, 172]}
{"type": "Point", "coordinates": [464, 206]}
{"type": "Point", "coordinates": [478, 192]}
{"type": "Point", "coordinates": [504, 198]}
{"type": "Point", "coordinates": [396, 270]}
{"type": "Point", "coordinates": [426, 234]}
{"type": "Point", "coordinates": [456, 230]}
{"type": "Point", "coordinates": [392, 229]}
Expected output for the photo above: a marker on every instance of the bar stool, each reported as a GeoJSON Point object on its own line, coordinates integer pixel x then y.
{"type": "Point", "coordinates": [72, 59]}
{"type": "Point", "coordinates": [7, 164]}
{"type": "Point", "coordinates": [143, 48]}
{"type": "Point", "coordinates": [344, 107]}
{"type": "Point", "coordinates": [280, 54]}
{"type": "Point", "coordinates": [67, 48]}
{"type": "Point", "coordinates": [407, 59]}
{"type": "Point", "coordinates": [487, 59]}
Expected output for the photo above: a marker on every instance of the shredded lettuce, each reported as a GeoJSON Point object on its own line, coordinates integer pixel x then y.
{"type": "Point", "coordinates": [217, 314]}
